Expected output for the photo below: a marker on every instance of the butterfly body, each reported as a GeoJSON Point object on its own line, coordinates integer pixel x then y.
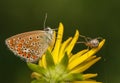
{"type": "Point", "coordinates": [30, 45]}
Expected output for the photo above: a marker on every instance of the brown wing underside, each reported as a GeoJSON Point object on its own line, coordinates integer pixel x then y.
{"type": "Point", "coordinates": [28, 45]}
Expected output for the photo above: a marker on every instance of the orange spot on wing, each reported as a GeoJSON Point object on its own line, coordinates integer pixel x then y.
{"type": "Point", "coordinates": [28, 55]}
{"type": "Point", "coordinates": [24, 54]}
{"type": "Point", "coordinates": [20, 52]}
{"type": "Point", "coordinates": [18, 49]}
{"type": "Point", "coordinates": [11, 42]}
{"type": "Point", "coordinates": [19, 45]}
{"type": "Point", "coordinates": [34, 57]}
{"type": "Point", "coordinates": [22, 41]}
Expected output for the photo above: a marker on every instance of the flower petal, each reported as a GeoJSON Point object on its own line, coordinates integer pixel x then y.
{"type": "Point", "coordinates": [88, 76]}
{"type": "Point", "coordinates": [86, 82]}
{"type": "Point", "coordinates": [72, 44]}
{"type": "Point", "coordinates": [56, 49]}
{"type": "Point", "coordinates": [80, 53]}
{"type": "Point", "coordinates": [36, 75]}
{"type": "Point", "coordinates": [85, 66]}
{"type": "Point", "coordinates": [62, 49]}
{"type": "Point", "coordinates": [85, 56]}
{"type": "Point", "coordinates": [42, 61]}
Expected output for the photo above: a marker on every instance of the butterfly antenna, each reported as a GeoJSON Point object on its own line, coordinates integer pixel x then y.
{"type": "Point", "coordinates": [45, 21]}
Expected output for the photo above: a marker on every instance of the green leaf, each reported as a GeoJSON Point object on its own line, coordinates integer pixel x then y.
{"type": "Point", "coordinates": [65, 60]}
{"type": "Point", "coordinates": [49, 59]}
{"type": "Point", "coordinates": [39, 81]}
{"type": "Point", "coordinates": [74, 77]}
{"type": "Point", "coordinates": [59, 70]}
{"type": "Point", "coordinates": [36, 68]}
{"type": "Point", "coordinates": [35, 81]}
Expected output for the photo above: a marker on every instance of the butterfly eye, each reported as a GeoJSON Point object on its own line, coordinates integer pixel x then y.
{"type": "Point", "coordinates": [47, 29]}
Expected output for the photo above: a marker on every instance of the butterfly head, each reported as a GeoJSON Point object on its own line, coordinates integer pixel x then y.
{"type": "Point", "coordinates": [48, 30]}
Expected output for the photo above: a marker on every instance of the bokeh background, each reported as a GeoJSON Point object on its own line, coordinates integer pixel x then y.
{"type": "Point", "coordinates": [92, 18]}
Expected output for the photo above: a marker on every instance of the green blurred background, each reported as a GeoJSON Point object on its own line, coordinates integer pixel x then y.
{"type": "Point", "coordinates": [92, 18]}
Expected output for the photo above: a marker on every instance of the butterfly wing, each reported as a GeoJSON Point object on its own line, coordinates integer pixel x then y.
{"type": "Point", "coordinates": [29, 45]}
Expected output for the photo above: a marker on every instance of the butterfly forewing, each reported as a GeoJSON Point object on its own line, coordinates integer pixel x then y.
{"type": "Point", "coordinates": [29, 45]}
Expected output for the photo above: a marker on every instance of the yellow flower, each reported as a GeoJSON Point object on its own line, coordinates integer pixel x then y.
{"type": "Point", "coordinates": [60, 65]}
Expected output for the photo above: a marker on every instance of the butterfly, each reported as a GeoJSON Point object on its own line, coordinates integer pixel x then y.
{"type": "Point", "coordinates": [30, 46]}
